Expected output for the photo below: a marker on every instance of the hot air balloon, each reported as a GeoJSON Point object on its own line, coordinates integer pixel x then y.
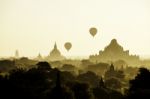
{"type": "Point", "coordinates": [93, 31]}
{"type": "Point", "coordinates": [68, 46]}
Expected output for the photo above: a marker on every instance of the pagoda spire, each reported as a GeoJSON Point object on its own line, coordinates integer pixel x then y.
{"type": "Point", "coordinates": [55, 46]}
{"type": "Point", "coordinates": [112, 67]}
{"type": "Point", "coordinates": [16, 54]}
{"type": "Point", "coordinates": [39, 56]}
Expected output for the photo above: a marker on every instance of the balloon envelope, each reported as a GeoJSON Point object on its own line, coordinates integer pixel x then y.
{"type": "Point", "coordinates": [93, 31]}
{"type": "Point", "coordinates": [68, 45]}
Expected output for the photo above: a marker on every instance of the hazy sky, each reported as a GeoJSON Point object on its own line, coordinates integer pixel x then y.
{"type": "Point", "coordinates": [33, 26]}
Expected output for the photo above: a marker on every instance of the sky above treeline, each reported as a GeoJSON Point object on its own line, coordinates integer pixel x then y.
{"type": "Point", "coordinates": [33, 26]}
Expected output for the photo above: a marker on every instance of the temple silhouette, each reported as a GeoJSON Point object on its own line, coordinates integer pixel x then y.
{"type": "Point", "coordinates": [55, 54]}
{"type": "Point", "coordinates": [114, 52]}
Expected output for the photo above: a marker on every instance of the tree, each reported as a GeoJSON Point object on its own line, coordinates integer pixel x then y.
{"type": "Point", "coordinates": [100, 93]}
{"type": "Point", "coordinates": [113, 83]}
{"type": "Point", "coordinates": [59, 92]}
{"type": "Point", "coordinates": [82, 91]}
{"type": "Point", "coordinates": [29, 84]}
{"type": "Point", "coordinates": [44, 66]}
{"type": "Point", "coordinates": [140, 86]}
{"type": "Point", "coordinates": [89, 77]}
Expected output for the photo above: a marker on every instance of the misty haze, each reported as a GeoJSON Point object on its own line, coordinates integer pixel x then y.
{"type": "Point", "coordinates": [75, 49]}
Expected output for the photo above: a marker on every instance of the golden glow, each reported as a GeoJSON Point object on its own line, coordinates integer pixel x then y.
{"type": "Point", "coordinates": [33, 26]}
